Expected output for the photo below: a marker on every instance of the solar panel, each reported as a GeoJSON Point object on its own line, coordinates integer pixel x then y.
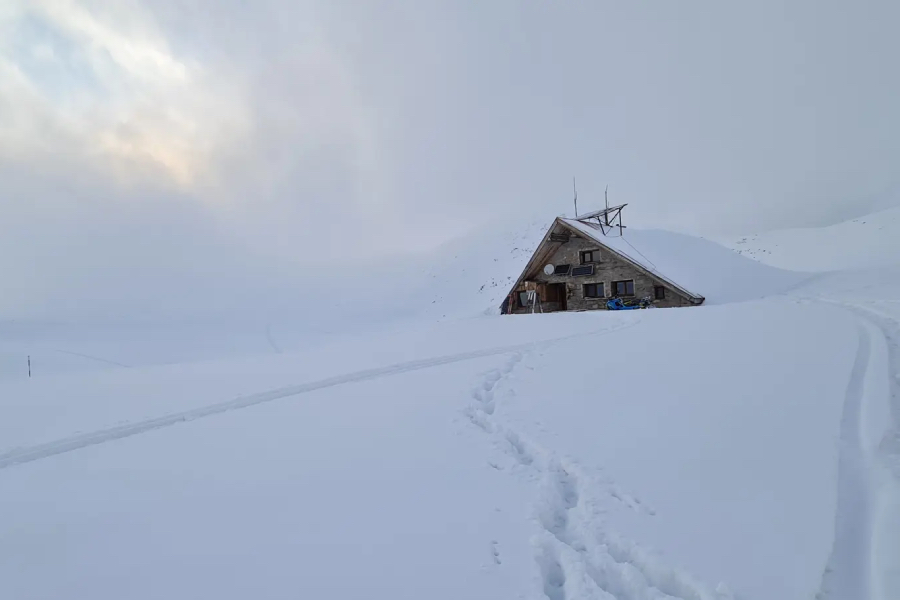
{"type": "Point", "coordinates": [561, 269]}
{"type": "Point", "coordinates": [583, 270]}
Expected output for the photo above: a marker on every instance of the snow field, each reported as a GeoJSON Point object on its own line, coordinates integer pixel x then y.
{"type": "Point", "coordinates": [51, 409]}
{"type": "Point", "coordinates": [497, 472]}
{"type": "Point", "coordinates": [747, 449]}
{"type": "Point", "coordinates": [367, 488]}
{"type": "Point", "coordinates": [733, 489]}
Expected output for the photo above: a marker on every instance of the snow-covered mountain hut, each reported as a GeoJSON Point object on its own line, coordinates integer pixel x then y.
{"type": "Point", "coordinates": [581, 263]}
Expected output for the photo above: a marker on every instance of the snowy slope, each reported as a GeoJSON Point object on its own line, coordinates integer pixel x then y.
{"type": "Point", "coordinates": [472, 275]}
{"type": "Point", "coordinates": [866, 242]}
{"type": "Point", "coordinates": [748, 449]}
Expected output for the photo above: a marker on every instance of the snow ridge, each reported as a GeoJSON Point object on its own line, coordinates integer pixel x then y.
{"type": "Point", "coordinates": [577, 558]}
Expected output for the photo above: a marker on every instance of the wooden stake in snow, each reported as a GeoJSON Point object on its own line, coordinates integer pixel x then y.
{"type": "Point", "coordinates": [29, 366]}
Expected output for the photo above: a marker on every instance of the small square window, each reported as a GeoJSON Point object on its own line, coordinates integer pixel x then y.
{"type": "Point", "coordinates": [623, 288]}
{"type": "Point", "coordinates": [659, 292]}
{"type": "Point", "coordinates": [593, 290]}
{"type": "Point", "coordinates": [590, 256]}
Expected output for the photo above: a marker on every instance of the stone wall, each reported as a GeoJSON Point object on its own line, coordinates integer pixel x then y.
{"type": "Point", "coordinates": [610, 268]}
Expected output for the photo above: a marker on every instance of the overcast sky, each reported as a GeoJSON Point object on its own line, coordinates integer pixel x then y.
{"type": "Point", "coordinates": [162, 139]}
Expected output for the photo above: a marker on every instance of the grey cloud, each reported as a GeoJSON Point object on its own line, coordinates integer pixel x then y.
{"type": "Point", "coordinates": [275, 137]}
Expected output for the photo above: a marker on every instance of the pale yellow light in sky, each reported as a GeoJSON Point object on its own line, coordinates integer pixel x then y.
{"type": "Point", "coordinates": [146, 107]}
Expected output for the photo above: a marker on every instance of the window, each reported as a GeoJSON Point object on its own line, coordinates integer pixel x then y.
{"type": "Point", "coordinates": [659, 292]}
{"type": "Point", "coordinates": [583, 270]}
{"type": "Point", "coordinates": [593, 290]}
{"type": "Point", "coordinates": [623, 288]}
{"type": "Point", "coordinates": [590, 256]}
{"type": "Point", "coordinates": [524, 302]}
{"type": "Point", "coordinates": [561, 269]}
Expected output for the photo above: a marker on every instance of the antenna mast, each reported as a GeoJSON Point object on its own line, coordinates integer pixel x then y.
{"type": "Point", "coordinates": [575, 189]}
{"type": "Point", "coordinates": [606, 199]}
{"type": "Point", "coordinates": [606, 218]}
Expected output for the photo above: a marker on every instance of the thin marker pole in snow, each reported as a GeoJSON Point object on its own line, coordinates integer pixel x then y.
{"type": "Point", "coordinates": [29, 366]}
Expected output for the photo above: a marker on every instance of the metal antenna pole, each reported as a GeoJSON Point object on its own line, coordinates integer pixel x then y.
{"type": "Point", "coordinates": [575, 189]}
{"type": "Point", "coordinates": [606, 198]}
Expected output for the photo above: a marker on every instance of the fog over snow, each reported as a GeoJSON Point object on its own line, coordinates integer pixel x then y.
{"type": "Point", "coordinates": [245, 141]}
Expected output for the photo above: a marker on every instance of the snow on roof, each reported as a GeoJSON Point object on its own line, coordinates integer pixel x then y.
{"type": "Point", "coordinates": [694, 263]}
{"type": "Point", "coordinates": [621, 245]}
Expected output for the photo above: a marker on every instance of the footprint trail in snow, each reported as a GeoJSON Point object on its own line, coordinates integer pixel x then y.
{"type": "Point", "coordinates": [576, 557]}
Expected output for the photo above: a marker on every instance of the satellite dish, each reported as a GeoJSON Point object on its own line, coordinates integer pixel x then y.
{"type": "Point", "coordinates": [549, 269]}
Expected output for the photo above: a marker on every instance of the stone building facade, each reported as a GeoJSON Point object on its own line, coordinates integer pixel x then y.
{"type": "Point", "coordinates": [586, 274]}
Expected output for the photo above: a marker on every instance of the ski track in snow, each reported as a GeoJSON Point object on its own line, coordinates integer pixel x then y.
{"type": "Point", "coordinates": [846, 576]}
{"type": "Point", "coordinates": [864, 527]}
{"type": "Point", "coordinates": [94, 358]}
{"type": "Point", "coordinates": [27, 454]}
{"type": "Point", "coordinates": [576, 557]}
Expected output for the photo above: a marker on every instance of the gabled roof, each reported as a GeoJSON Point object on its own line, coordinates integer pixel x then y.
{"type": "Point", "coordinates": [617, 244]}
{"type": "Point", "coordinates": [624, 249]}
